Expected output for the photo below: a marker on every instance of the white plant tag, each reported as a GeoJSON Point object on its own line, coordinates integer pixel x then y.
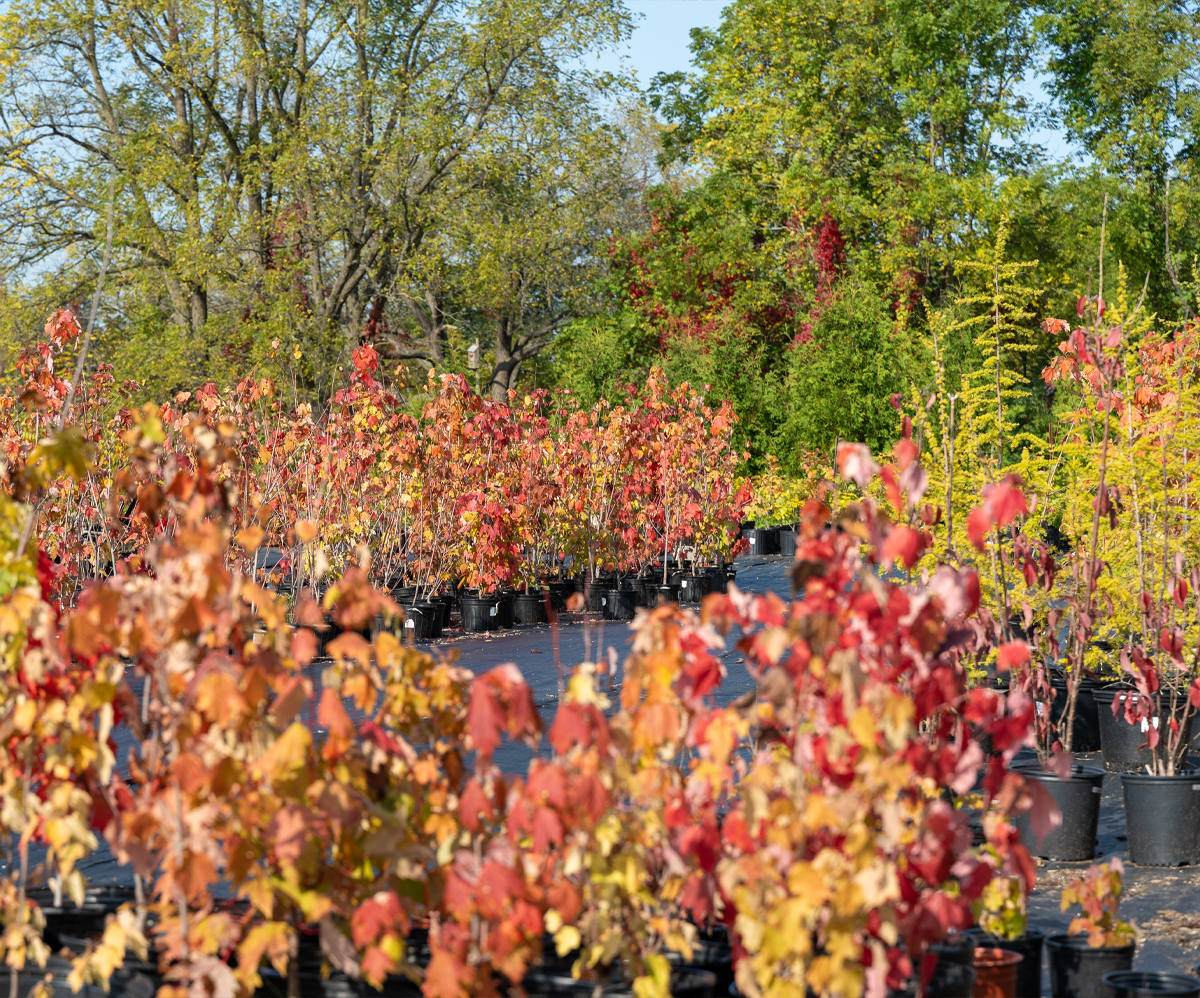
{"type": "Point", "coordinates": [752, 540]}
{"type": "Point", "coordinates": [410, 623]}
{"type": "Point", "coordinates": [1095, 790]}
{"type": "Point", "coordinates": [604, 601]}
{"type": "Point", "coordinates": [1146, 726]}
{"type": "Point", "coordinates": [492, 611]}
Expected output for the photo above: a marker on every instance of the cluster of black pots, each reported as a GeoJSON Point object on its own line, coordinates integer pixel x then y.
{"type": "Point", "coordinates": [427, 617]}
{"type": "Point", "coordinates": [614, 598]}
{"type": "Point", "coordinates": [763, 540]}
{"type": "Point", "coordinates": [487, 612]}
{"type": "Point", "coordinates": [771, 540]}
{"type": "Point", "coordinates": [1162, 813]}
{"type": "Point", "coordinates": [1077, 970]}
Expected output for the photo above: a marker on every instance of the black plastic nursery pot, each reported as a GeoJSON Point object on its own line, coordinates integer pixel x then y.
{"type": "Point", "coordinates": [763, 540]}
{"type": "Point", "coordinates": [692, 588]}
{"type": "Point", "coordinates": [449, 601]}
{"type": "Point", "coordinates": [1152, 984]}
{"type": "Point", "coordinates": [1162, 818]}
{"type": "Point", "coordinates": [957, 948]}
{"type": "Point", "coordinates": [436, 613]}
{"type": "Point", "coordinates": [1078, 798]}
{"type": "Point", "coordinates": [559, 591]}
{"type": "Point", "coordinates": [618, 604]}
{"type": "Point", "coordinates": [1123, 744]}
{"type": "Point", "coordinates": [717, 580]}
{"type": "Point", "coordinates": [1077, 970]}
{"type": "Point", "coordinates": [530, 608]}
{"type": "Point", "coordinates": [664, 594]}
{"type": "Point", "coordinates": [420, 622]}
{"type": "Point", "coordinates": [787, 542]}
{"type": "Point", "coordinates": [506, 610]}
{"type": "Point", "coordinates": [595, 591]}
{"type": "Point", "coordinates": [1085, 736]}
{"type": "Point", "coordinates": [1029, 945]}
{"type": "Point", "coordinates": [479, 613]}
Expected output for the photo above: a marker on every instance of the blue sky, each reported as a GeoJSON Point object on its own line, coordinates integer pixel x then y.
{"type": "Point", "coordinates": [660, 38]}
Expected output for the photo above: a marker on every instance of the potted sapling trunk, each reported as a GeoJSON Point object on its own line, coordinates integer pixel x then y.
{"type": "Point", "coordinates": [1097, 942]}
{"type": "Point", "coordinates": [1162, 802]}
{"type": "Point", "coordinates": [1076, 787]}
{"type": "Point", "coordinates": [1073, 787]}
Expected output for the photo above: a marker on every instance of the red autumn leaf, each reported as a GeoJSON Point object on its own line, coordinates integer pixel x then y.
{"type": "Point", "coordinates": [978, 525]}
{"type": "Point", "coordinates": [696, 898]}
{"type": "Point", "coordinates": [194, 874]}
{"type": "Point", "coordinates": [1044, 814]}
{"type": "Point", "coordinates": [332, 716]}
{"type": "Point", "coordinates": [376, 965]}
{"type": "Point", "coordinates": [1011, 655]}
{"type": "Point", "coordinates": [903, 544]}
{"type": "Point", "coordinates": [473, 805]}
{"type": "Point", "coordinates": [292, 696]}
{"type": "Point", "coordinates": [548, 784]}
{"type": "Point", "coordinates": [891, 487]}
{"type": "Point", "coordinates": [374, 916]}
{"type": "Point", "coordinates": [905, 452]}
{"type": "Point", "coordinates": [704, 843]}
{"type": "Point", "coordinates": [499, 886]}
{"type": "Point", "coordinates": [288, 833]}
{"type": "Point", "coordinates": [1006, 501]}
{"type": "Point", "coordinates": [588, 794]}
{"type": "Point", "coordinates": [304, 646]}
{"type": "Point", "coordinates": [565, 899]}
{"type": "Point", "coordinates": [736, 832]}
{"type": "Point", "coordinates": [546, 828]}
{"type": "Point", "coordinates": [485, 718]}
{"type": "Point", "coordinates": [578, 724]}
{"type": "Point", "coordinates": [981, 705]}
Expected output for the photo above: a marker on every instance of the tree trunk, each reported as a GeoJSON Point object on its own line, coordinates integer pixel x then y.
{"type": "Point", "coordinates": [199, 304]}
{"type": "Point", "coordinates": [506, 368]}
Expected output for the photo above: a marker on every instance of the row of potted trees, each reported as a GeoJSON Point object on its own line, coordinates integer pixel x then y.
{"type": "Point", "coordinates": [460, 494]}
{"type": "Point", "coordinates": [277, 819]}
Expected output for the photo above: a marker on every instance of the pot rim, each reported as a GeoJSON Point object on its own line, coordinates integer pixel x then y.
{"type": "Point", "coordinates": [1134, 978]}
{"type": "Point", "coordinates": [1029, 933]}
{"type": "Point", "coordinates": [1191, 774]}
{"type": "Point", "coordinates": [1107, 694]}
{"type": "Point", "coordinates": [994, 956]}
{"type": "Point", "coordinates": [1064, 941]}
{"type": "Point", "coordinates": [1080, 772]}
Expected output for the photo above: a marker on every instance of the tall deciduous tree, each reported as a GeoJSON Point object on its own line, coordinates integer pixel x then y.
{"type": "Point", "coordinates": [279, 165]}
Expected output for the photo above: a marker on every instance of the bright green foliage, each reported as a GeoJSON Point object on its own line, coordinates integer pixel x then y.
{"type": "Point", "coordinates": [839, 384]}
{"type": "Point", "coordinates": [287, 178]}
